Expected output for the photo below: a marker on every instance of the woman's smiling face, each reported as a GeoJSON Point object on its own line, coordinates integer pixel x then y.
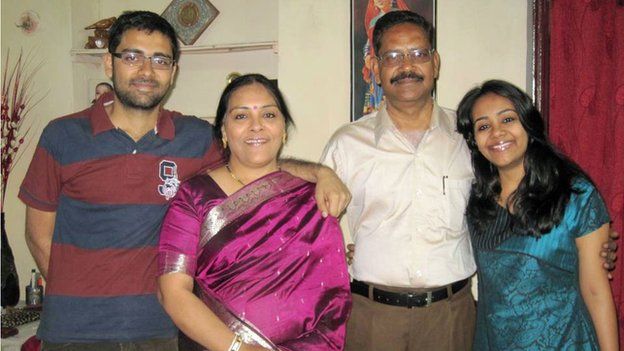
{"type": "Point", "coordinates": [498, 133]}
{"type": "Point", "coordinates": [254, 127]}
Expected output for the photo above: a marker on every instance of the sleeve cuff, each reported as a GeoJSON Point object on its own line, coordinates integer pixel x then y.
{"type": "Point", "coordinates": [31, 201]}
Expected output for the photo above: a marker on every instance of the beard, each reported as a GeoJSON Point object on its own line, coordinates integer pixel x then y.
{"type": "Point", "coordinates": [137, 100]}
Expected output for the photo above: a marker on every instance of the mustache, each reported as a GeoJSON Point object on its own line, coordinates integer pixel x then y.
{"type": "Point", "coordinates": [406, 75]}
{"type": "Point", "coordinates": [145, 81]}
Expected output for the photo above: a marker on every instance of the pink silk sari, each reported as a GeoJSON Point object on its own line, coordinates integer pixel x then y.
{"type": "Point", "coordinates": [263, 259]}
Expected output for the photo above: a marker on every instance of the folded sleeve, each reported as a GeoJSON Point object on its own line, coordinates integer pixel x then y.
{"type": "Point", "coordinates": [179, 235]}
{"type": "Point", "coordinates": [591, 211]}
{"type": "Point", "coordinates": [332, 157]}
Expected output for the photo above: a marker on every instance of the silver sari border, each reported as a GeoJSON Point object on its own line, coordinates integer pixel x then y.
{"type": "Point", "coordinates": [175, 262]}
{"type": "Point", "coordinates": [244, 328]}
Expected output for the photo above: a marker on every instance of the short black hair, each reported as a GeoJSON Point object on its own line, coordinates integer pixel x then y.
{"type": "Point", "coordinates": [143, 21]}
{"type": "Point", "coordinates": [244, 80]}
{"type": "Point", "coordinates": [394, 18]}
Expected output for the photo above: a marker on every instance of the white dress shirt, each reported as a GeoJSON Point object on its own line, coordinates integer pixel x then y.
{"type": "Point", "coordinates": [406, 217]}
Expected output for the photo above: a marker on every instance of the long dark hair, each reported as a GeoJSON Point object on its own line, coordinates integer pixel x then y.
{"type": "Point", "coordinates": [540, 200]}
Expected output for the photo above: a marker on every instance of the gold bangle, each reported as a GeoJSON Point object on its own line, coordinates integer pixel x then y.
{"type": "Point", "coordinates": [237, 343]}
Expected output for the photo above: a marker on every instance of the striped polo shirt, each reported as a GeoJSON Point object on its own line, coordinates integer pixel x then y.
{"type": "Point", "coordinates": [110, 195]}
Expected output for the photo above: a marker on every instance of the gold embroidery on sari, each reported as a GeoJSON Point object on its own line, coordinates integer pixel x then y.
{"type": "Point", "coordinates": [240, 202]}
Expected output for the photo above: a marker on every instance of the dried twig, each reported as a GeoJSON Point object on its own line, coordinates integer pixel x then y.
{"type": "Point", "coordinates": [18, 101]}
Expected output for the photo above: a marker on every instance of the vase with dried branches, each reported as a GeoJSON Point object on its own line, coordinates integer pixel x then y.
{"type": "Point", "coordinates": [18, 101]}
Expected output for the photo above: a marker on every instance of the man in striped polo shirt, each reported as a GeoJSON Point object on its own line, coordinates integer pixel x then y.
{"type": "Point", "coordinates": [98, 187]}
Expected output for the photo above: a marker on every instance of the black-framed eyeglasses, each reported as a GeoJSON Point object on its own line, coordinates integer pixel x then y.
{"type": "Point", "coordinates": [137, 59]}
{"type": "Point", "coordinates": [396, 58]}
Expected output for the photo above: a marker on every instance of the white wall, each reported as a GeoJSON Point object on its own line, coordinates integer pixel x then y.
{"type": "Point", "coordinates": [314, 63]}
{"type": "Point", "coordinates": [50, 44]}
{"type": "Point", "coordinates": [201, 78]}
{"type": "Point", "coordinates": [477, 40]}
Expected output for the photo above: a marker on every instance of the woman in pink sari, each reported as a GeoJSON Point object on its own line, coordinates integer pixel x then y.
{"type": "Point", "coordinates": [247, 261]}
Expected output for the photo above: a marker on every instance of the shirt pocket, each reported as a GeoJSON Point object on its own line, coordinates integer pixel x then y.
{"type": "Point", "coordinates": [456, 194]}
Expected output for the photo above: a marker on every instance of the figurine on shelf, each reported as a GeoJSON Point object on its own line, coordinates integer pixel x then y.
{"type": "Point", "coordinates": [100, 38]}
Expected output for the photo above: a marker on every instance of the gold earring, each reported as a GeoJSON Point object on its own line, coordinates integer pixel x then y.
{"type": "Point", "coordinates": [224, 141]}
{"type": "Point", "coordinates": [284, 138]}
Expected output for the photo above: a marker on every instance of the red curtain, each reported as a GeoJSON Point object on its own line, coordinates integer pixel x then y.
{"type": "Point", "coordinates": [586, 103]}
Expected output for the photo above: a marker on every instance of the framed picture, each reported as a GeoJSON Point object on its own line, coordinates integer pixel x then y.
{"type": "Point", "coordinates": [366, 95]}
{"type": "Point", "coordinates": [190, 18]}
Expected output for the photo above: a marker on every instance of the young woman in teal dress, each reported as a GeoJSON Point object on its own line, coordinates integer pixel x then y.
{"type": "Point", "coordinates": [537, 224]}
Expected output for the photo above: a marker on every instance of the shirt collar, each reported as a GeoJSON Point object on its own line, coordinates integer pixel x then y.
{"type": "Point", "coordinates": [441, 121]}
{"type": "Point", "coordinates": [384, 123]}
{"type": "Point", "coordinates": [438, 121]}
{"type": "Point", "coordinates": [100, 122]}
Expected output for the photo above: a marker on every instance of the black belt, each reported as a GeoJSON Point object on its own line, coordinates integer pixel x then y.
{"type": "Point", "coordinates": [408, 300]}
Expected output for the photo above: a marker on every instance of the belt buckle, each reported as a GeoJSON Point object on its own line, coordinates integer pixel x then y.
{"type": "Point", "coordinates": [410, 298]}
{"type": "Point", "coordinates": [428, 299]}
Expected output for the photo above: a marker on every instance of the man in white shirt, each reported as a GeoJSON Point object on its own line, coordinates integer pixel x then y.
{"type": "Point", "coordinates": [409, 173]}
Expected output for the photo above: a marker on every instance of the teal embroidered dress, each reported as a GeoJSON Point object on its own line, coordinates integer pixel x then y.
{"type": "Point", "coordinates": [529, 294]}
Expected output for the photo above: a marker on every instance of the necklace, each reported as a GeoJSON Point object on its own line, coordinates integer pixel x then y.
{"type": "Point", "coordinates": [227, 166]}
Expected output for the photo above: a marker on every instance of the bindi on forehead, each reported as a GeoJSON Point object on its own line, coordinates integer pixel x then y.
{"type": "Point", "coordinates": [255, 107]}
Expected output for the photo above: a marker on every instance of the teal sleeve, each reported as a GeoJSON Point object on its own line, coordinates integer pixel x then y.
{"type": "Point", "coordinates": [591, 211]}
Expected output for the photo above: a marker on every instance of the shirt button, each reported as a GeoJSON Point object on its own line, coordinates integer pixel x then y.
{"type": "Point", "coordinates": [418, 192]}
{"type": "Point", "coordinates": [134, 152]}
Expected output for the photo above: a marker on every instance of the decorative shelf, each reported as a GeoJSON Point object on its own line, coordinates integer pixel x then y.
{"type": "Point", "coordinates": [95, 55]}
